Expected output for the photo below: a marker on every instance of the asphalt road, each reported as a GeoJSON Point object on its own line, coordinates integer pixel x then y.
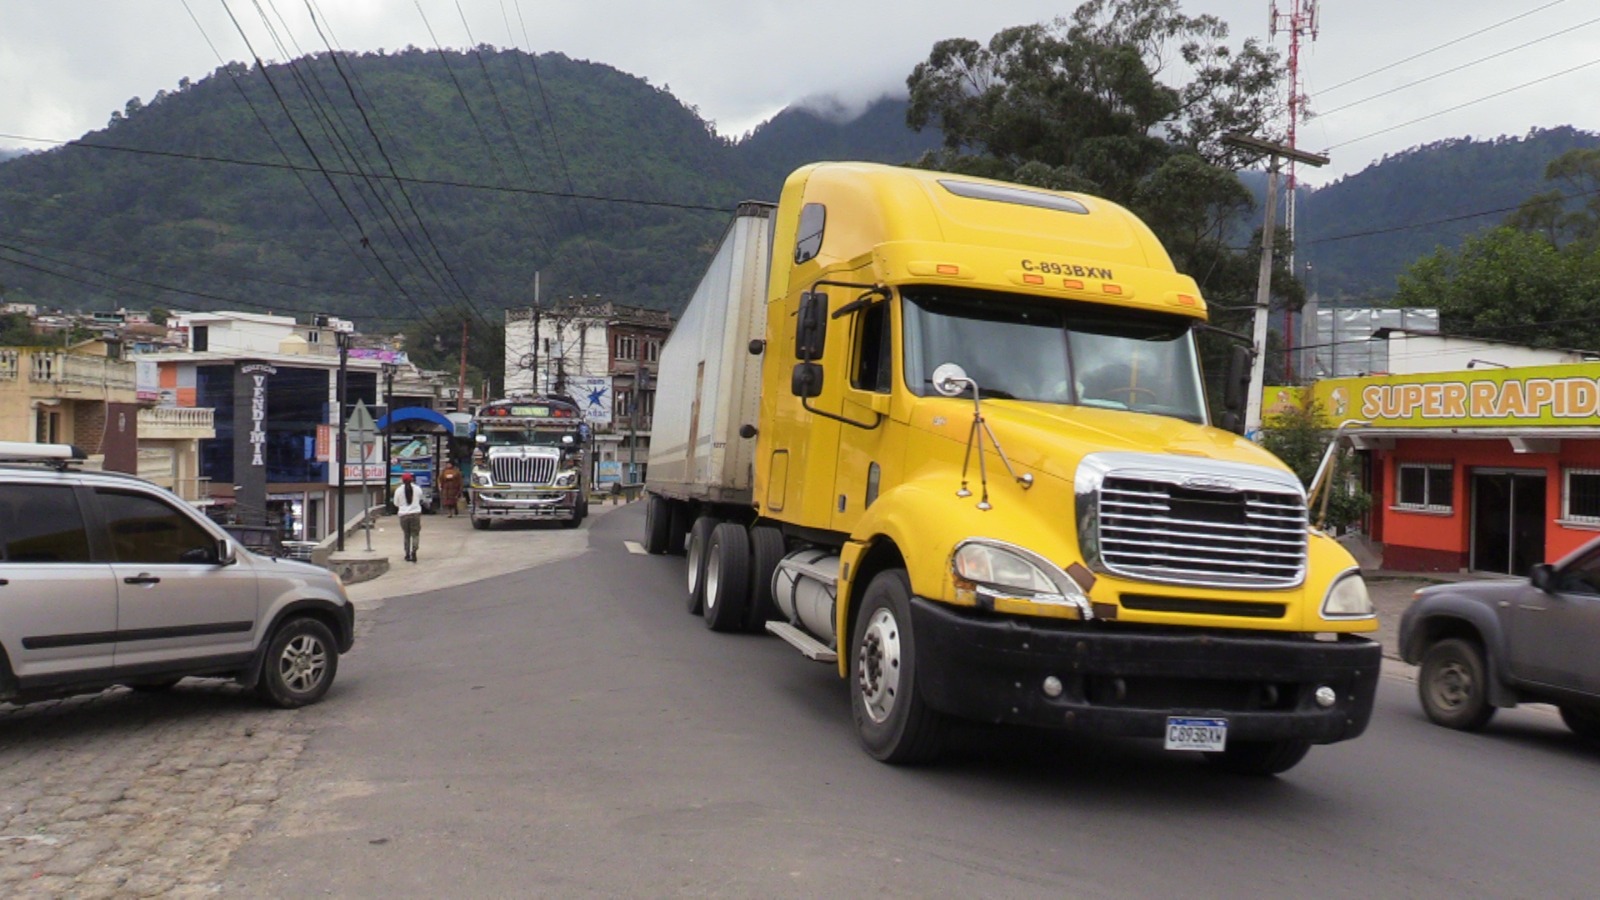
{"type": "Point", "coordinates": [567, 730]}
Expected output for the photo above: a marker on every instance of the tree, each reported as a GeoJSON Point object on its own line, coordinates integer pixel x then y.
{"type": "Point", "coordinates": [1299, 436]}
{"type": "Point", "coordinates": [1555, 214]}
{"type": "Point", "coordinates": [435, 343]}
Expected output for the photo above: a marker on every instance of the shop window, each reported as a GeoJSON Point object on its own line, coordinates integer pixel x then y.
{"type": "Point", "coordinates": [1580, 495]}
{"type": "Point", "coordinates": [1429, 487]}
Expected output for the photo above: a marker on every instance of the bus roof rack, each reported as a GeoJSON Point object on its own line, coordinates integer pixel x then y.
{"type": "Point", "coordinates": [59, 456]}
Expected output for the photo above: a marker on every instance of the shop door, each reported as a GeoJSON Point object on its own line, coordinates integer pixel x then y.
{"type": "Point", "coordinates": [1508, 520]}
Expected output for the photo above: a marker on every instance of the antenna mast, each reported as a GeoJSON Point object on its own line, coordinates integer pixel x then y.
{"type": "Point", "coordinates": [1300, 20]}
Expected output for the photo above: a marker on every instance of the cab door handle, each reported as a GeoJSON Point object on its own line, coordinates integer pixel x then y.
{"type": "Point", "coordinates": [141, 579]}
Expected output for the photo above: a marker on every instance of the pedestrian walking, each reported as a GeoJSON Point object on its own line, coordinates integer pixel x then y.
{"type": "Point", "coordinates": [408, 501]}
{"type": "Point", "coordinates": [450, 488]}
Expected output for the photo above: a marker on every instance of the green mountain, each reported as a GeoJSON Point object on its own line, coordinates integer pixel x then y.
{"type": "Point", "coordinates": [387, 187]}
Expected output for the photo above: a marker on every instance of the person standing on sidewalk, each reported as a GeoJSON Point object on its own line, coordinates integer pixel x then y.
{"type": "Point", "coordinates": [408, 502]}
{"type": "Point", "coordinates": [450, 488]}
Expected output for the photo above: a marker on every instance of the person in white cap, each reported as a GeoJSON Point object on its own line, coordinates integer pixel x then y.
{"type": "Point", "coordinates": [408, 502]}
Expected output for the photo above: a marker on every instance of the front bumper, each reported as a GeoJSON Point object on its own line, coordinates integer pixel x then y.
{"type": "Point", "coordinates": [1121, 681]}
{"type": "Point", "coordinates": [511, 503]}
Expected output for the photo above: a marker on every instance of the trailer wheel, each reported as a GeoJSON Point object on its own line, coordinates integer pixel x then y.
{"type": "Point", "coordinates": [727, 578]}
{"type": "Point", "coordinates": [657, 524]}
{"type": "Point", "coordinates": [767, 549]}
{"type": "Point", "coordinates": [699, 537]}
{"type": "Point", "coordinates": [893, 722]}
{"type": "Point", "coordinates": [677, 527]}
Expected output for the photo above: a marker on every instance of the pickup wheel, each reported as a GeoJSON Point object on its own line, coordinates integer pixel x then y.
{"type": "Point", "coordinates": [767, 548]}
{"type": "Point", "coordinates": [657, 524]}
{"type": "Point", "coordinates": [893, 722]}
{"type": "Point", "coordinates": [1453, 685]}
{"type": "Point", "coordinates": [1584, 721]}
{"type": "Point", "coordinates": [727, 578]}
{"type": "Point", "coordinates": [300, 664]}
{"type": "Point", "coordinates": [1260, 758]}
{"type": "Point", "coordinates": [699, 537]}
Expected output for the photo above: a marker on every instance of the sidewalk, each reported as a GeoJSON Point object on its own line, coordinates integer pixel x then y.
{"type": "Point", "coordinates": [451, 552]}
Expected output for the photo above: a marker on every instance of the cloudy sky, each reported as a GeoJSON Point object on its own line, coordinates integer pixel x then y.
{"type": "Point", "coordinates": [1385, 74]}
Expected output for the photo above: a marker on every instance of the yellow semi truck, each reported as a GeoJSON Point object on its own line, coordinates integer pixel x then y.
{"type": "Point", "coordinates": [950, 435]}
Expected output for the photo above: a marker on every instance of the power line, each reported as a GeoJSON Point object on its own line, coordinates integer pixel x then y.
{"type": "Point", "coordinates": [1465, 65]}
{"type": "Point", "coordinates": [1449, 43]}
{"type": "Point", "coordinates": [1441, 112]}
{"type": "Point", "coordinates": [432, 182]}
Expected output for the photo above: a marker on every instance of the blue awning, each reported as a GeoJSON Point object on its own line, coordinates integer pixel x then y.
{"type": "Point", "coordinates": [418, 414]}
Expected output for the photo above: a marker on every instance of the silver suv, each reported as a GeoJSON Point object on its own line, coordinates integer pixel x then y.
{"type": "Point", "coordinates": [107, 579]}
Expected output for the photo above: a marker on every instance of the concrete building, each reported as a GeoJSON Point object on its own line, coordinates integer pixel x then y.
{"type": "Point", "coordinates": [603, 355]}
{"type": "Point", "coordinates": [78, 395]}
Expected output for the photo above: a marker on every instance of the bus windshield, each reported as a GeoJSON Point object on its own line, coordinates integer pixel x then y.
{"type": "Point", "coordinates": [522, 437]}
{"type": "Point", "coordinates": [1060, 352]}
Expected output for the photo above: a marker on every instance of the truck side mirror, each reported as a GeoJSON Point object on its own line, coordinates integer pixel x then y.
{"type": "Point", "coordinates": [1236, 389]}
{"type": "Point", "coordinates": [811, 326]}
{"type": "Point", "coordinates": [806, 382]}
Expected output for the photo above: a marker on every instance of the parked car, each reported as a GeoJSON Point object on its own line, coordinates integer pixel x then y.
{"type": "Point", "coordinates": [107, 579]}
{"type": "Point", "coordinates": [1487, 645]}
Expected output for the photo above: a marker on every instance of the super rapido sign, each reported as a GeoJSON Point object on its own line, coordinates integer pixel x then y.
{"type": "Point", "coordinates": [1547, 395]}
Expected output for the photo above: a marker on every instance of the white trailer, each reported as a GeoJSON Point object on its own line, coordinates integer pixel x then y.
{"type": "Point", "coordinates": [708, 389]}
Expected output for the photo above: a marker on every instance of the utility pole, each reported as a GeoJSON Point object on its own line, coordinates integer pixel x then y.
{"type": "Point", "coordinates": [461, 383]}
{"type": "Point", "coordinates": [1300, 20]}
{"type": "Point", "coordinates": [1273, 152]}
{"type": "Point", "coordinates": [637, 400]}
{"type": "Point", "coordinates": [343, 340]}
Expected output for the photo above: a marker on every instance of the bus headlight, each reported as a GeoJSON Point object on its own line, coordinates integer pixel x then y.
{"type": "Point", "coordinates": [481, 478]}
{"type": "Point", "coordinates": [995, 570]}
{"type": "Point", "coordinates": [1347, 598]}
{"type": "Point", "coordinates": [567, 479]}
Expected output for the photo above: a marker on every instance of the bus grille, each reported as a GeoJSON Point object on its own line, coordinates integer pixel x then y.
{"type": "Point", "coordinates": [524, 470]}
{"type": "Point", "coordinates": [1162, 531]}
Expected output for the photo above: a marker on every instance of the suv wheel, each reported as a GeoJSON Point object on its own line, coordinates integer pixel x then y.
{"type": "Point", "coordinates": [1453, 685]}
{"type": "Point", "coordinates": [300, 664]}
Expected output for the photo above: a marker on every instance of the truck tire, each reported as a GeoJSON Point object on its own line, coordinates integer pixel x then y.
{"type": "Point", "coordinates": [1453, 685]}
{"type": "Point", "coordinates": [677, 527]}
{"type": "Point", "coordinates": [1584, 721]}
{"type": "Point", "coordinates": [657, 524]}
{"type": "Point", "coordinates": [1260, 758]}
{"type": "Point", "coordinates": [893, 722]}
{"type": "Point", "coordinates": [699, 537]}
{"type": "Point", "coordinates": [767, 549]}
{"type": "Point", "coordinates": [727, 578]}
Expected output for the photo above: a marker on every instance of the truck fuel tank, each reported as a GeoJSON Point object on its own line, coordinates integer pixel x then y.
{"type": "Point", "coordinates": [805, 587]}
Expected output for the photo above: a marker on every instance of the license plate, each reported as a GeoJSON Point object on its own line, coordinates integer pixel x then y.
{"type": "Point", "coordinates": [1196, 734]}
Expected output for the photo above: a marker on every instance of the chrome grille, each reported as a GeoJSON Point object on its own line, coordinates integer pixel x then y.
{"type": "Point", "coordinates": [1241, 537]}
{"type": "Point", "coordinates": [524, 470]}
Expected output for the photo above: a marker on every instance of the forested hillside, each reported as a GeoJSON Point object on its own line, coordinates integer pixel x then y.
{"type": "Point", "coordinates": [1361, 231]}
{"type": "Point", "coordinates": [385, 187]}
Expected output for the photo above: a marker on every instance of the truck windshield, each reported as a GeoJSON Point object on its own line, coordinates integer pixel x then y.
{"type": "Point", "coordinates": [1054, 351]}
{"type": "Point", "coordinates": [521, 437]}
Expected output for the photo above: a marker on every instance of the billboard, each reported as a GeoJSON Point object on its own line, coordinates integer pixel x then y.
{"type": "Point", "coordinates": [593, 393]}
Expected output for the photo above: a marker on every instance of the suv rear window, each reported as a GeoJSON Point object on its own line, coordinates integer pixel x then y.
{"type": "Point", "coordinates": [41, 523]}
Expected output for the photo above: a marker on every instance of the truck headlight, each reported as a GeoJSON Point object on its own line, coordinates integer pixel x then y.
{"type": "Point", "coordinates": [1347, 598]}
{"type": "Point", "coordinates": [997, 570]}
{"type": "Point", "coordinates": [567, 479]}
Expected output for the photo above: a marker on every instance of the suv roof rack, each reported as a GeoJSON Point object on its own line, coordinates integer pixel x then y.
{"type": "Point", "coordinates": [58, 456]}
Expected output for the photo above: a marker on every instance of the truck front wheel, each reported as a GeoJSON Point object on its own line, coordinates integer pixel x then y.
{"type": "Point", "coordinates": [1260, 757]}
{"type": "Point", "coordinates": [699, 537]}
{"type": "Point", "coordinates": [893, 722]}
{"type": "Point", "coordinates": [727, 579]}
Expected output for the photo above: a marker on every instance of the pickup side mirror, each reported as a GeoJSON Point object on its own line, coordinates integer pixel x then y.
{"type": "Point", "coordinates": [811, 326]}
{"type": "Point", "coordinates": [1543, 577]}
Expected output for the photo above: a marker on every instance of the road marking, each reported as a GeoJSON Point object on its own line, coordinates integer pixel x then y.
{"type": "Point", "coordinates": [635, 547]}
